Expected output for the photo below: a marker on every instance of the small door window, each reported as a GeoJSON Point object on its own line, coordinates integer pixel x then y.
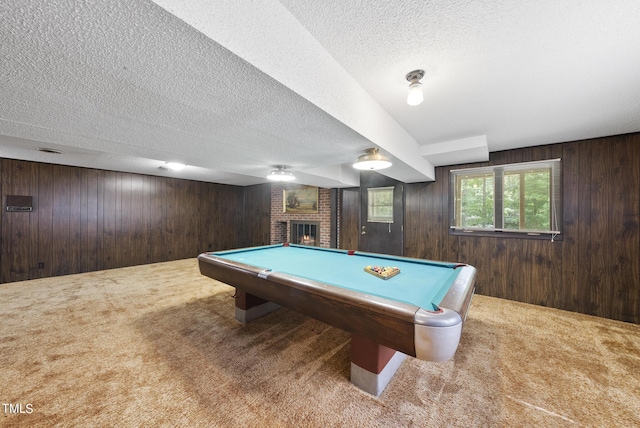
{"type": "Point", "coordinates": [380, 205]}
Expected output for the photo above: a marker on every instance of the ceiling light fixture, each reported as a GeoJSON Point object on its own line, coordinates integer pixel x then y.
{"type": "Point", "coordinates": [175, 166]}
{"type": "Point", "coordinates": [281, 174]}
{"type": "Point", "coordinates": [372, 160]}
{"type": "Point", "coordinates": [415, 97]}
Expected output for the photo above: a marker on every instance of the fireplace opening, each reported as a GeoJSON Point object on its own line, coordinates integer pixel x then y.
{"type": "Point", "coordinates": [305, 232]}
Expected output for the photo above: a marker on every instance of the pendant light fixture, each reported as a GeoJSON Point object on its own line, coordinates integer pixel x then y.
{"type": "Point", "coordinates": [415, 97]}
{"type": "Point", "coordinates": [372, 160]}
{"type": "Point", "coordinates": [281, 174]}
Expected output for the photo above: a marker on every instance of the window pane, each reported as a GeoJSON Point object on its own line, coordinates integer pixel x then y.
{"type": "Point", "coordinates": [527, 200]}
{"type": "Point", "coordinates": [383, 211]}
{"type": "Point", "coordinates": [537, 200]}
{"type": "Point", "coordinates": [511, 201]}
{"type": "Point", "coordinates": [476, 207]}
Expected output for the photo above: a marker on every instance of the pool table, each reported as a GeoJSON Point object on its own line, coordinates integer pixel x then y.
{"type": "Point", "coordinates": [418, 312]}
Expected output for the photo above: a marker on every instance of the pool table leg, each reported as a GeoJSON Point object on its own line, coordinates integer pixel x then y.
{"type": "Point", "coordinates": [250, 307]}
{"type": "Point", "coordinates": [373, 365]}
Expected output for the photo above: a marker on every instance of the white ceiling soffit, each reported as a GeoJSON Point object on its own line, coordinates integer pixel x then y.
{"type": "Point", "coordinates": [285, 50]}
{"type": "Point", "coordinates": [466, 150]}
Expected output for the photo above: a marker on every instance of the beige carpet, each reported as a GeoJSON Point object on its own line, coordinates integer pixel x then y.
{"type": "Point", "coordinates": [157, 345]}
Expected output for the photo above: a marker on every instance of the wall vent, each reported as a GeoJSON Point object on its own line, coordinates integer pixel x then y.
{"type": "Point", "coordinates": [17, 203]}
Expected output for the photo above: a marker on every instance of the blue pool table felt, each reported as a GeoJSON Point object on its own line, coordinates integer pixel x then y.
{"type": "Point", "coordinates": [422, 283]}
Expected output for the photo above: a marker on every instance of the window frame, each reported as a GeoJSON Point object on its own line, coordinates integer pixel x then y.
{"type": "Point", "coordinates": [498, 172]}
{"type": "Point", "coordinates": [376, 219]}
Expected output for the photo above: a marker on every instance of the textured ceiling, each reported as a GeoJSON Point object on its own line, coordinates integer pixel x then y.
{"type": "Point", "coordinates": [234, 88]}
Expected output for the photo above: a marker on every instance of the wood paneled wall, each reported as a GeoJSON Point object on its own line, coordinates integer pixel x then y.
{"type": "Point", "coordinates": [349, 219]}
{"type": "Point", "coordinates": [87, 219]}
{"type": "Point", "coordinates": [257, 213]}
{"type": "Point", "coordinates": [594, 269]}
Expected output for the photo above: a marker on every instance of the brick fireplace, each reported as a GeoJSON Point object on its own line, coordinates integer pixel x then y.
{"type": "Point", "coordinates": [281, 223]}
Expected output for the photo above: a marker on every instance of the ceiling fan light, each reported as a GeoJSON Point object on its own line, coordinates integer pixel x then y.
{"type": "Point", "coordinates": [281, 174]}
{"type": "Point", "coordinates": [372, 160]}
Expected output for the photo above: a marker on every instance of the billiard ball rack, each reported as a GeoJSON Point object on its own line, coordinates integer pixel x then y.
{"type": "Point", "coordinates": [382, 272]}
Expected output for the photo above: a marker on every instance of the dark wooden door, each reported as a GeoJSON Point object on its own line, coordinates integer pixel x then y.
{"type": "Point", "coordinates": [381, 237]}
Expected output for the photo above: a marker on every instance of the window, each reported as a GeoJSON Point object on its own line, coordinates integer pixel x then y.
{"type": "Point", "coordinates": [523, 198]}
{"type": "Point", "coordinates": [380, 205]}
